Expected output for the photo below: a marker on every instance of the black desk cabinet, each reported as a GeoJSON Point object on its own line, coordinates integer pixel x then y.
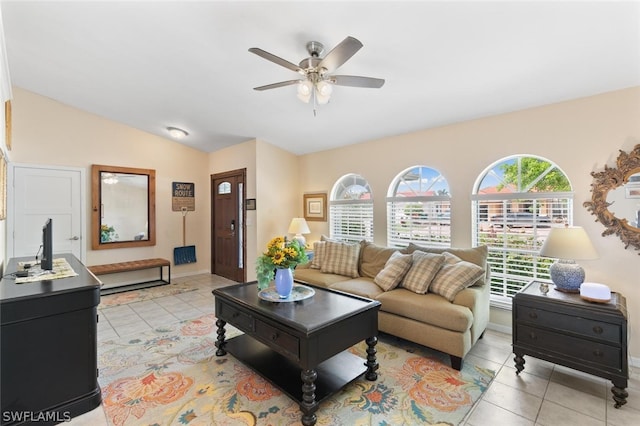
{"type": "Point", "coordinates": [48, 352]}
{"type": "Point", "coordinates": [564, 329]}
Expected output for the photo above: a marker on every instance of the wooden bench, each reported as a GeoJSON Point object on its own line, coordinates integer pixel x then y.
{"type": "Point", "coordinates": [134, 265]}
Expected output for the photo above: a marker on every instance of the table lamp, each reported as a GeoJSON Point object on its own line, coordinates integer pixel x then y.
{"type": "Point", "coordinates": [568, 244]}
{"type": "Point", "coordinates": [298, 226]}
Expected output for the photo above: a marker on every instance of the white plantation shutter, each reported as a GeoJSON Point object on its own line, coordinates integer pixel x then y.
{"type": "Point", "coordinates": [419, 208]}
{"type": "Point", "coordinates": [351, 209]}
{"type": "Point", "coordinates": [431, 226]}
{"type": "Point", "coordinates": [514, 223]}
{"type": "Point", "coordinates": [352, 220]}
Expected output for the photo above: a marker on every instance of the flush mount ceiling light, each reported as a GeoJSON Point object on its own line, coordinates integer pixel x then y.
{"type": "Point", "coordinates": [317, 84]}
{"type": "Point", "coordinates": [177, 133]}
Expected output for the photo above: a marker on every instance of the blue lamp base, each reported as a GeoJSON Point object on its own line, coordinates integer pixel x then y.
{"type": "Point", "coordinates": [567, 275]}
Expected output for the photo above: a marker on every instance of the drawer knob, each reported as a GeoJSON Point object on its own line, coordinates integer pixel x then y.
{"type": "Point", "coordinates": [274, 336]}
{"type": "Point", "coordinates": [597, 329]}
{"type": "Point", "coordinates": [597, 353]}
{"type": "Point", "coordinates": [533, 336]}
{"type": "Point", "coordinates": [533, 315]}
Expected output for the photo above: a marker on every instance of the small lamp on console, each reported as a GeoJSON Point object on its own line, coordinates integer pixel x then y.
{"type": "Point", "coordinates": [568, 244]}
{"type": "Point", "coordinates": [298, 226]}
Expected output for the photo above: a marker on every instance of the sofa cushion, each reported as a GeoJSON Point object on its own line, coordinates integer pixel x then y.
{"type": "Point", "coordinates": [394, 271]}
{"type": "Point", "coordinates": [455, 275]}
{"type": "Point", "coordinates": [476, 255]}
{"type": "Point", "coordinates": [428, 308]}
{"type": "Point", "coordinates": [341, 259]}
{"type": "Point", "coordinates": [316, 277]}
{"type": "Point", "coordinates": [424, 267]}
{"type": "Point", "coordinates": [373, 258]}
{"type": "Point", "coordinates": [361, 286]}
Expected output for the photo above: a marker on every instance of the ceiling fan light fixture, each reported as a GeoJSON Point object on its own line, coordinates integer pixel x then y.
{"type": "Point", "coordinates": [177, 133]}
{"type": "Point", "coordinates": [323, 92]}
{"type": "Point", "coordinates": [304, 91]}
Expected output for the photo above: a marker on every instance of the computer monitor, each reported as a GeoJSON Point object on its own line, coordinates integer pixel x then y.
{"type": "Point", "coordinates": [46, 262]}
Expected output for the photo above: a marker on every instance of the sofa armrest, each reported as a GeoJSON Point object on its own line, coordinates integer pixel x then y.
{"type": "Point", "coordinates": [476, 298]}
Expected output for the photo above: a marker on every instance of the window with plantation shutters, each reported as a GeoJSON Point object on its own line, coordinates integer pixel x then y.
{"type": "Point", "coordinates": [419, 209]}
{"type": "Point", "coordinates": [351, 209]}
{"type": "Point", "coordinates": [515, 203]}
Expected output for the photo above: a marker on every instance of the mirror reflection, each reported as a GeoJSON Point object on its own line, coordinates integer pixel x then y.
{"type": "Point", "coordinates": [625, 201]}
{"type": "Point", "coordinates": [123, 207]}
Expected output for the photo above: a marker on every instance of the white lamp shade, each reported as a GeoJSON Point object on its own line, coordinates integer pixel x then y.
{"type": "Point", "coordinates": [304, 91]}
{"type": "Point", "coordinates": [299, 226]}
{"type": "Point", "coordinates": [570, 243]}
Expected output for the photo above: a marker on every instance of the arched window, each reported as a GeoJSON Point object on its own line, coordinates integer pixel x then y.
{"type": "Point", "coordinates": [419, 209]}
{"type": "Point", "coordinates": [351, 209]}
{"type": "Point", "coordinates": [515, 202]}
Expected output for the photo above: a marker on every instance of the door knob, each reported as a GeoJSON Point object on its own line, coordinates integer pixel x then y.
{"type": "Point", "coordinates": [74, 238]}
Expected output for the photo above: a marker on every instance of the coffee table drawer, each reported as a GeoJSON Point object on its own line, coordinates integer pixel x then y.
{"type": "Point", "coordinates": [238, 318]}
{"type": "Point", "coordinates": [278, 340]}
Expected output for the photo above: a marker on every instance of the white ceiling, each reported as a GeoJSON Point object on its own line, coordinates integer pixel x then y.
{"type": "Point", "coordinates": [151, 64]}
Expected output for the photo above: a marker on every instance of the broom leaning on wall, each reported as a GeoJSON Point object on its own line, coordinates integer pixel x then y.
{"type": "Point", "coordinates": [184, 254]}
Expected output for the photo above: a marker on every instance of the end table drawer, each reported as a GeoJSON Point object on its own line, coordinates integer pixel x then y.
{"type": "Point", "coordinates": [607, 356]}
{"type": "Point", "coordinates": [596, 330]}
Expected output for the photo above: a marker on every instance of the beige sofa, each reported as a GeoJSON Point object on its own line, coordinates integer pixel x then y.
{"type": "Point", "coordinates": [449, 313]}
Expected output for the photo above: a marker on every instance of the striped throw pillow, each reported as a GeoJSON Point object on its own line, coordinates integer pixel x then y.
{"type": "Point", "coordinates": [393, 272]}
{"type": "Point", "coordinates": [424, 268]}
{"type": "Point", "coordinates": [454, 276]}
{"type": "Point", "coordinates": [341, 259]}
{"type": "Point", "coordinates": [318, 254]}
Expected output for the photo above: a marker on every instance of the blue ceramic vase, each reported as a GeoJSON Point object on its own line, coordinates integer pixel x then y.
{"type": "Point", "coordinates": [284, 282]}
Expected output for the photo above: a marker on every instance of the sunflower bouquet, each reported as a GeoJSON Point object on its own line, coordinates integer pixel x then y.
{"type": "Point", "coordinates": [280, 254]}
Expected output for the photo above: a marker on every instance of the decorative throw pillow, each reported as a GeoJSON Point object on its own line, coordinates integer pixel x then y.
{"type": "Point", "coordinates": [341, 259]}
{"type": "Point", "coordinates": [318, 254]}
{"type": "Point", "coordinates": [373, 258]}
{"type": "Point", "coordinates": [424, 267]}
{"type": "Point", "coordinates": [454, 276]}
{"type": "Point", "coordinates": [393, 272]}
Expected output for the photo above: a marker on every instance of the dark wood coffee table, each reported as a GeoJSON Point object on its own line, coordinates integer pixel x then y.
{"type": "Point", "coordinates": [300, 347]}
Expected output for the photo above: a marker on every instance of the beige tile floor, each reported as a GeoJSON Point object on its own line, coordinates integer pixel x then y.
{"type": "Point", "coordinates": [543, 394]}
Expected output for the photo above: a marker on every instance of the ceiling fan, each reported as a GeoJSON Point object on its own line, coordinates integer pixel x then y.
{"type": "Point", "coordinates": [316, 82]}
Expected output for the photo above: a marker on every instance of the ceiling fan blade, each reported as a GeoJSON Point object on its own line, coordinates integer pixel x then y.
{"type": "Point", "coordinates": [356, 81]}
{"type": "Point", "coordinates": [340, 54]}
{"type": "Point", "coordinates": [276, 85]}
{"type": "Point", "coordinates": [276, 59]}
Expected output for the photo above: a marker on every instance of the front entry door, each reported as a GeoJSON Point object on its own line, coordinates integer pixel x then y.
{"type": "Point", "coordinates": [227, 225]}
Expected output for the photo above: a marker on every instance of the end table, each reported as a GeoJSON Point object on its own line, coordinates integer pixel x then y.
{"type": "Point", "coordinates": [564, 329]}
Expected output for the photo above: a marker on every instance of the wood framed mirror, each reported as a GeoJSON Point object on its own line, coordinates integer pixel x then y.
{"type": "Point", "coordinates": [123, 207]}
{"type": "Point", "coordinates": [615, 198]}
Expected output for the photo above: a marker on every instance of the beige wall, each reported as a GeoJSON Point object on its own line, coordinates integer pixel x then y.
{"type": "Point", "coordinates": [580, 136]}
{"type": "Point", "coordinates": [48, 132]}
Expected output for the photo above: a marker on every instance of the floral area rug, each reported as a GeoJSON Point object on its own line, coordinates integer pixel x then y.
{"type": "Point", "coordinates": [140, 295]}
{"type": "Point", "coordinates": [171, 376]}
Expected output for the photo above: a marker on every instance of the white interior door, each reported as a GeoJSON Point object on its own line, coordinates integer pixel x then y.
{"type": "Point", "coordinates": [41, 192]}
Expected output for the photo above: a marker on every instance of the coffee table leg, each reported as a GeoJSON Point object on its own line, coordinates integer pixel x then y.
{"type": "Point", "coordinates": [372, 363]}
{"type": "Point", "coordinates": [220, 341]}
{"type": "Point", "coordinates": [309, 404]}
